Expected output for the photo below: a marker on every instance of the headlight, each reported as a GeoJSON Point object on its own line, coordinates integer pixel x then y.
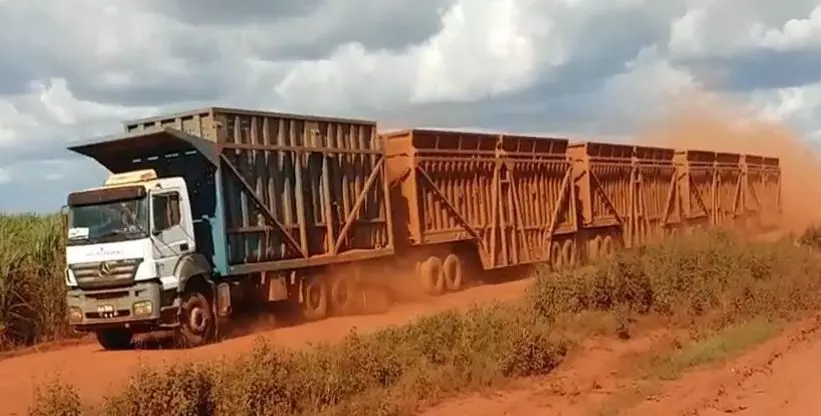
{"type": "Point", "coordinates": [75, 314]}
{"type": "Point", "coordinates": [143, 308]}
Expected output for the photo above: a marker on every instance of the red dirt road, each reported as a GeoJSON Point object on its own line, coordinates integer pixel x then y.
{"type": "Point", "coordinates": [96, 372]}
{"type": "Point", "coordinates": [780, 377]}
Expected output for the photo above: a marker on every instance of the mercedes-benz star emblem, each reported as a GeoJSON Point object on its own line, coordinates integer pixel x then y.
{"type": "Point", "coordinates": [105, 269]}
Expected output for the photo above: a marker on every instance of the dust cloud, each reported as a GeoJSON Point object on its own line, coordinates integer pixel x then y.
{"type": "Point", "coordinates": [712, 124]}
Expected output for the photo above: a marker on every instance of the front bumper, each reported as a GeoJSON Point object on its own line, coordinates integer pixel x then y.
{"type": "Point", "coordinates": [142, 307]}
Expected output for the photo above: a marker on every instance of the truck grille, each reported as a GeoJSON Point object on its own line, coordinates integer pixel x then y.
{"type": "Point", "coordinates": [105, 274]}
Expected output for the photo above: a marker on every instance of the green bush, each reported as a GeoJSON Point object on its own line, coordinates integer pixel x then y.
{"type": "Point", "coordinates": [811, 237]}
{"type": "Point", "coordinates": [56, 399]}
{"type": "Point", "coordinates": [710, 274]}
{"type": "Point", "coordinates": [32, 288]}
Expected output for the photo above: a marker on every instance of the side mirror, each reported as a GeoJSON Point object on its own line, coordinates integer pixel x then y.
{"type": "Point", "coordinates": [155, 232]}
{"type": "Point", "coordinates": [64, 216]}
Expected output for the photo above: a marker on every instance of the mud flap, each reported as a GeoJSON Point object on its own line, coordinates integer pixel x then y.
{"type": "Point", "coordinates": [221, 306]}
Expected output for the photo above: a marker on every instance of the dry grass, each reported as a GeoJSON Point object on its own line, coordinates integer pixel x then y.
{"type": "Point", "coordinates": [32, 289]}
{"type": "Point", "coordinates": [707, 282]}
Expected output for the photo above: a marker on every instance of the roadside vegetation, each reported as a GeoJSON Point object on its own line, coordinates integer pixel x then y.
{"type": "Point", "coordinates": [710, 284]}
{"type": "Point", "coordinates": [32, 290]}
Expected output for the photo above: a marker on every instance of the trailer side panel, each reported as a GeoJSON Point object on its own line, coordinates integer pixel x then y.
{"type": "Point", "coordinates": [296, 191]}
{"type": "Point", "coordinates": [507, 194]}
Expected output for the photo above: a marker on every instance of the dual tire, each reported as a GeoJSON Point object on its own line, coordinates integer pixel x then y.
{"type": "Point", "coordinates": [340, 295]}
{"type": "Point", "coordinates": [439, 276]}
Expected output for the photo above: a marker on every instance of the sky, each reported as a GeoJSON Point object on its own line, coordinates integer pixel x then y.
{"type": "Point", "coordinates": [74, 70]}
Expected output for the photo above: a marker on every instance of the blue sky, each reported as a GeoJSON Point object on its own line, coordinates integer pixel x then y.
{"type": "Point", "coordinates": [72, 70]}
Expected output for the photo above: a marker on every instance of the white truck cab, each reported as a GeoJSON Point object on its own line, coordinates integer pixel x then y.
{"type": "Point", "coordinates": [130, 247]}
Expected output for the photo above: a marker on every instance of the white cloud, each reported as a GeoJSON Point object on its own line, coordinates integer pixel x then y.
{"type": "Point", "coordinates": [5, 176]}
{"type": "Point", "coordinates": [799, 107]}
{"type": "Point", "coordinates": [796, 33]}
{"type": "Point", "coordinates": [684, 33]}
{"type": "Point", "coordinates": [523, 65]}
{"type": "Point", "coordinates": [49, 109]}
{"type": "Point", "coordinates": [485, 47]}
{"type": "Point", "coordinates": [722, 28]}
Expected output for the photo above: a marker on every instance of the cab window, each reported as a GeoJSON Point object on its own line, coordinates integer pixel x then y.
{"type": "Point", "coordinates": [166, 209]}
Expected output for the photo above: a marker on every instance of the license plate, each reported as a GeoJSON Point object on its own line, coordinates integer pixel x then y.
{"type": "Point", "coordinates": [105, 309]}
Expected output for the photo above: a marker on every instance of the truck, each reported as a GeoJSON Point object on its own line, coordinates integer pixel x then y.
{"type": "Point", "coordinates": [207, 207]}
{"type": "Point", "coordinates": [210, 211]}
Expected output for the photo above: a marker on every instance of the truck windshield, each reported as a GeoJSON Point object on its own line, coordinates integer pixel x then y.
{"type": "Point", "coordinates": [112, 221]}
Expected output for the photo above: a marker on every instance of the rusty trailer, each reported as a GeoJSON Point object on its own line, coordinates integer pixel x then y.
{"type": "Point", "coordinates": [762, 199]}
{"type": "Point", "coordinates": [711, 188]}
{"type": "Point", "coordinates": [508, 195]}
{"type": "Point", "coordinates": [626, 194]}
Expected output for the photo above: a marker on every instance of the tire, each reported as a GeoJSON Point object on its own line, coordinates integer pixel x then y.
{"type": "Point", "coordinates": [114, 339]}
{"type": "Point", "coordinates": [343, 296]}
{"type": "Point", "coordinates": [569, 253]}
{"type": "Point", "coordinates": [432, 276]}
{"type": "Point", "coordinates": [452, 270]}
{"type": "Point", "coordinates": [315, 303]}
{"type": "Point", "coordinates": [556, 260]}
{"type": "Point", "coordinates": [607, 246]}
{"type": "Point", "coordinates": [595, 249]}
{"type": "Point", "coordinates": [197, 322]}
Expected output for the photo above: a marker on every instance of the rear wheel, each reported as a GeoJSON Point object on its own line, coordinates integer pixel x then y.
{"type": "Point", "coordinates": [569, 253]}
{"type": "Point", "coordinates": [608, 247]}
{"type": "Point", "coordinates": [594, 249]}
{"type": "Point", "coordinates": [315, 299]}
{"type": "Point", "coordinates": [114, 339]}
{"type": "Point", "coordinates": [452, 269]}
{"type": "Point", "coordinates": [432, 276]}
{"type": "Point", "coordinates": [343, 295]}
{"type": "Point", "coordinates": [197, 324]}
{"type": "Point", "coordinates": [556, 259]}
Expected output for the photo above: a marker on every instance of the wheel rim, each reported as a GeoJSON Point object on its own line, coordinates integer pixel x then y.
{"type": "Point", "coordinates": [198, 319]}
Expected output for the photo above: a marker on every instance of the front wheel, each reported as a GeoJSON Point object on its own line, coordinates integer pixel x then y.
{"type": "Point", "coordinates": [197, 325]}
{"type": "Point", "coordinates": [114, 339]}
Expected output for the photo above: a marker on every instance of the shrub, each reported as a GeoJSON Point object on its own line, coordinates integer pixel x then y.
{"type": "Point", "coordinates": [56, 399]}
{"type": "Point", "coordinates": [32, 288]}
{"type": "Point", "coordinates": [811, 237]}
{"type": "Point", "coordinates": [684, 279]}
